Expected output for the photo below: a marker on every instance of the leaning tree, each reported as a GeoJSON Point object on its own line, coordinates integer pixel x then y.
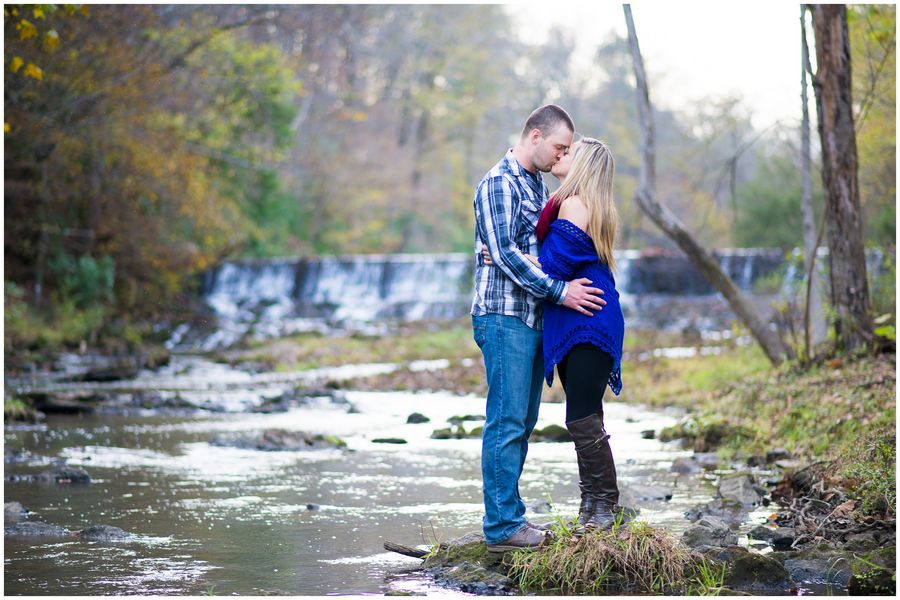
{"type": "Point", "coordinates": [645, 196]}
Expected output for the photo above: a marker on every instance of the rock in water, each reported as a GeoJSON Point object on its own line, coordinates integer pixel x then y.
{"type": "Point", "coordinates": [416, 418]}
{"type": "Point", "coordinates": [685, 465]}
{"type": "Point", "coordinates": [33, 529]}
{"type": "Point", "coordinates": [709, 531]}
{"type": "Point", "coordinates": [103, 533]}
{"type": "Point", "coordinates": [750, 571]}
{"type": "Point", "coordinates": [739, 488]}
{"type": "Point", "coordinates": [551, 433]}
{"type": "Point", "coordinates": [13, 512]}
{"type": "Point", "coordinates": [64, 474]}
{"type": "Point", "coordinates": [780, 538]}
{"type": "Point", "coordinates": [280, 440]}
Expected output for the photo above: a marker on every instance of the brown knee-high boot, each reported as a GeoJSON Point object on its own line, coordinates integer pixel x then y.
{"type": "Point", "coordinates": [592, 448]}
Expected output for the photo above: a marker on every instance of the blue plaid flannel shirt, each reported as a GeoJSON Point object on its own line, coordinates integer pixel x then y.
{"type": "Point", "coordinates": [508, 203]}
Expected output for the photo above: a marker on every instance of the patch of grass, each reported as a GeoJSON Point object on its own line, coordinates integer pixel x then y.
{"type": "Point", "coordinates": [631, 558]}
{"type": "Point", "coordinates": [868, 467]}
{"type": "Point", "coordinates": [65, 325]}
{"type": "Point", "coordinates": [16, 409]}
{"type": "Point", "coordinates": [841, 410]}
{"type": "Point", "coordinates": [685, 382]}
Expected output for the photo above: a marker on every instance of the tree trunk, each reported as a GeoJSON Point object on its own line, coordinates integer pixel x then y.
{"type": "Point", "coordinates": [645, 196]}
{"type": "Point", "coordinates": [815, 328]}
{"type": "Point", "coordinates": [834, 104]}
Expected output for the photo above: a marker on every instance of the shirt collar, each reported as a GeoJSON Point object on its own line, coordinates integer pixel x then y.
{"type": "Point", "coordinates": [534, 180]}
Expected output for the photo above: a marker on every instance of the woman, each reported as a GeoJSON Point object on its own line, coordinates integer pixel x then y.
{"type": "Point", "coordinates": [577, 229]}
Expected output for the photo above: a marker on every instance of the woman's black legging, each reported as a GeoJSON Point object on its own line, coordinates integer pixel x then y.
{"type": "Point", "coordinates": [584, 374]}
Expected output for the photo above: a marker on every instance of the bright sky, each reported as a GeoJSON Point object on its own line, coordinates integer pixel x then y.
{"type": "Point", "coordinates": [692, 50]}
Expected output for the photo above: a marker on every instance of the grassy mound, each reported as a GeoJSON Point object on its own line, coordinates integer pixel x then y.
{"type": "Point", "coordinates": [631, 558]}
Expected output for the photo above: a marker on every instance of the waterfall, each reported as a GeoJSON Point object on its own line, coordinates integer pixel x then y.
{"type": "Point", "coordinates": [276, 297]}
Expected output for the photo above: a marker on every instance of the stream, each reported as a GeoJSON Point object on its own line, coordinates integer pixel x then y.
{"type": "Point", "coordinates": [224, 520]}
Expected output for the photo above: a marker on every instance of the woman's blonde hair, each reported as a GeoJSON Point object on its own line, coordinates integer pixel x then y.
{"type": "Point", "coordinates": [591, 178]}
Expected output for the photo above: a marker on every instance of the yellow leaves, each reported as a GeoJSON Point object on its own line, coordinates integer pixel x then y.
{"type": "Point", "coordinates": [32, 70]}
{"type": "Point", "coordinates": [51, 40]}
{"type": "Point", "coordinates": [38, 12]}
{"type": "Point", "coordinates": [5, 127]}
{"type": "Point", "coordinates": [16, 63]}
{"type": "Point", "coordinates": [26, 29]}
{"type": "Point", "coordinates": [85, 10]}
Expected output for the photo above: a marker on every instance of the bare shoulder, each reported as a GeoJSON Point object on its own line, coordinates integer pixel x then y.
{"type": "Point", "coordinates": [573, 209]}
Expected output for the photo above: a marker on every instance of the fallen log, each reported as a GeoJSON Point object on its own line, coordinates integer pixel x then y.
{"type": "Point", "coordinates": [404, 550]}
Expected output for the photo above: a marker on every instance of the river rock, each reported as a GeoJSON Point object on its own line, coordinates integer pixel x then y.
{"type": "Point", "coordinates": [751, 571]}
{"type": "Point", "coordinates": [729, 511]}
{"type": "Point", "coordinates": [29, 529]}
{"type": "Point", "coordinates": [13, 512]}
{"type": "Point", "coordinates": [458, 419]}
{"type": "Point", "coordinates": [780, 538]}
{"type": "Point", "coordinates": [708, 461]}
{"type": "Point", "coordinates": [103, 533]}
{"type": "Point", "coordinates": [685, 465]}
{"type": "Point", "coordinates": [389, 441]}
{"type": "Point", "coordinates": [60, 404]}
{"type": "Point", "coordinates": [739, 488]}
{"type": "Point", "coordinates": [282, 440]}
{"type": "Point", "coordinates": [465, 564]}
{"type": "Point", "coordinates": [824, 571]}
{"type": "Point", "coordinates": [417, 418]}
{"type": "Point", "coordinates": [777, 454]}
{"type": "Point", "coordinates": [648, 434]}
{"type": "Point", "coordinates": [551, 433]}
{"type": "Point", "coordinates": [863, 541]}
{"type": "Point", "coordinates": [457, 433]}
{"type": "Point", "coordinates": [874, 574]}
{"type": "Point", "coordinates": [62, 474]}
{"type": "Point", "coordinates": [640, 492]}
{"type": "Point", "coordinates": [709, 531]}
{"type": "Point", "coordinates": [541, 507]}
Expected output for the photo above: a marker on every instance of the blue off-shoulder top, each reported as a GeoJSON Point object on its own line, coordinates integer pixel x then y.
{"type": "Point", "coordinates": [568, 253]}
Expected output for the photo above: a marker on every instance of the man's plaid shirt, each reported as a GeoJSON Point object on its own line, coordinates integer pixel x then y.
{"type": "Point", "coordinates": [508, 203]}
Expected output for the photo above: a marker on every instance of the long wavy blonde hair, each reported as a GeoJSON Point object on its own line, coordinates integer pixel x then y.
{"type": "Point", "coordinates": [591, 178]}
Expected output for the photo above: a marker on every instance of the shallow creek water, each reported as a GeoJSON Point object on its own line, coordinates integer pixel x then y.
{"type": "Point", "coordinates": [226, 520]}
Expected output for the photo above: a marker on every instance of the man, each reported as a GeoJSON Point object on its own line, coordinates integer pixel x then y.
{"type": "Point", "coordinates": [507, 318]}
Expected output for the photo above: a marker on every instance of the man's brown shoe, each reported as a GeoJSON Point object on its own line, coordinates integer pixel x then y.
{"type": "Point", "coordinates": [527, 538]}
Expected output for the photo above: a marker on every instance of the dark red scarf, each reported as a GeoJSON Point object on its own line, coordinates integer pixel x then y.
{"type": "Point", "coordinates": [548, 215]}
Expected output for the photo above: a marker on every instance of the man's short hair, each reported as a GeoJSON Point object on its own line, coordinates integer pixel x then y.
{"type": "Point", "coordinates": [547, 119]}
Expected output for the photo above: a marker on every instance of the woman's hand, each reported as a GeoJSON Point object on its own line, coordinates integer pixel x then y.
{"type": "Point", "coordinates": [487, 257]}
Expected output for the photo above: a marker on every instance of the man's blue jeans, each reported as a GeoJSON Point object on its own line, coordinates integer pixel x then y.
{"type": "Point", "coordinates": [514, 363]}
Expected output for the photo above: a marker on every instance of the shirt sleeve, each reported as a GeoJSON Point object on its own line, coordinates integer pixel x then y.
{"type": "Point", "coordinates": [497, 228]}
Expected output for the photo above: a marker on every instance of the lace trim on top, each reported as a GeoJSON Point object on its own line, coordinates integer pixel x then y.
{"type": "Point", "coordinates": [575, 233]}
{"type": "Point", "coordinates": [585, 334]}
